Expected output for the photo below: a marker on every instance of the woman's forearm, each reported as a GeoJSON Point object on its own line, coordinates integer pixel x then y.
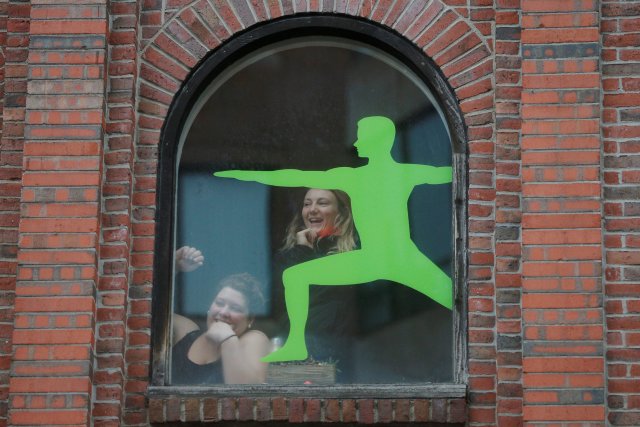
{"type": "Point", "coordinates": [241, 361]}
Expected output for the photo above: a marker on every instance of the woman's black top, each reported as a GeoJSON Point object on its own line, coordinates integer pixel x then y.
{"type": "Point", "coordinates": [332, 309]}
{"type": "Point", "coordinates": [184, 371]}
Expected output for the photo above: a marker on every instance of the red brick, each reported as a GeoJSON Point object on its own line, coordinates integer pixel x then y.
{"type": "Point", "coordinates": [423, 20]}
{"type": "Point", "coordinates": [566, 221]}
{"type": "Point", "coordinates": [402, 410]}
{"type": "Point", "coordinates": [49, 417]}
{"type": "Point", "coordinates": [406, 12]}
{"type": "Point", "coordinates": [560, 237]}
{"type": "Point", "coordinates": [559, 35]}
{"type": "Point", "coordinates": [560, 20]}
{"type": "Point", "coordinates": [296, 410]}
{"type": "Point", "coordinates": [421, 410]}
{"type": "Point", "coordinates": [349, 411]}
{"type": "Point", "coordinates": [56, 385]}
{"type": "Point", "coordinates": [59, 336]}
{"type": "Point", "coordinates": [553, 6]}
{"type": "Point", "coordinates": [332, 410]}
{"type": "Point", "coordinates": [567, 365]}
{"type": "Point", "coordinates": [87, 26]}
{"type": "Point", "coordinates": [447, 38]}
{"type": "Point", "coordinates": [312, 410]}
{"type": "Point", "coordinates": [565, 413]}
{"type": "Point", "coordinates": [560, 190]}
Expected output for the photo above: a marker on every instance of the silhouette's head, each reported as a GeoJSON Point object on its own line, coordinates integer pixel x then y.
{"type": "Point", "coordinates": [375, 136]}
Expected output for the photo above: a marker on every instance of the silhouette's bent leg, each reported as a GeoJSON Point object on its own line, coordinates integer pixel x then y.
{"type": "Point", "coordinates": [296, 296]}
{"type": "Point", "coordinates": [347, 268]}
{"type": "Point", "coordinates": [421, 274]}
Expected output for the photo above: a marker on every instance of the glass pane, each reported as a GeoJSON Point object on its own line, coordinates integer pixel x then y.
{"type": "Point", "coordinates": [297, 105]}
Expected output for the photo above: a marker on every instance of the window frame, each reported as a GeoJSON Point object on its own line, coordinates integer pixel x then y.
{"type": "Point", "coordinates": [201, 76]}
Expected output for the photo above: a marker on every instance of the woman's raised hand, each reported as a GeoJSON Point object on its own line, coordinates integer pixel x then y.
{"type": "Point", "coordinates": [188, 259]}
{"type": "Point", "coordinates": [219, 331]}
{"type": "Point", "coordinates": [306, 237]}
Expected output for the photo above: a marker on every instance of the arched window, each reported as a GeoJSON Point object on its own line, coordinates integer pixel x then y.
{"type": "Point", "coordinates": [372, 242]}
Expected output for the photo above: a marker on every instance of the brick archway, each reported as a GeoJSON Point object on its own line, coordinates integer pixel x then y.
{"type": "Point", "coordinates": [455, 45]}
{"type": "Point", "coordinates": [458, 48]}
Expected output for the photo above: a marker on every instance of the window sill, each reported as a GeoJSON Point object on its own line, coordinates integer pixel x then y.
{"type": "Point", "coordinates": [357, 391]}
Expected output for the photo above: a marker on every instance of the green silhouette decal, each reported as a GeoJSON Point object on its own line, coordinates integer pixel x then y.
{"type": "Point", "coordinates": [379, 194]}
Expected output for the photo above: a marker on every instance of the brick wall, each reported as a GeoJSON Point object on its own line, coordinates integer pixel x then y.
{"type": "Point", "coordinates": [563, 360]}
{"type": "Point", "coordinates": [508, 238]}
{"type": "Point", "coordinates": [297, 410]}
{"type": "Point", "coordinates": [10, 176]}
{"type": "Point", "coordinates": [53, 336]}
{"type": "Point", "coordinates": [112, 373]}
{"type": "Point", "coordinates": [550, 97]}
{"type": "Point", "coordinates": [620, 23]}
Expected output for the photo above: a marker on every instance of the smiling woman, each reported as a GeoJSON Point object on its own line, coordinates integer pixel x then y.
{"type": "Point", "coordinates": [324, 214]}
{"type": "Point", "coordinates": [323, 225]}
{"type": "Point", "coordinates": [319, 211]}
{"type": "Point", "coordinates": [228, 350]}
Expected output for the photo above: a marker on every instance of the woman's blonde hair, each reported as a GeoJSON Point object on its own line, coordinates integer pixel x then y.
{"type": "Point", "coordinates": [345, 233]}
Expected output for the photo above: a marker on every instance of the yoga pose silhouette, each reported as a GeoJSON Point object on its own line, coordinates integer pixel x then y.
{"type": "Point", "coordinates": [379, 194]}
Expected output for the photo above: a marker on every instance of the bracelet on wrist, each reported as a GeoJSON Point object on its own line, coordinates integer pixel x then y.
{"type": "Point", "coordinates": [230, 336]}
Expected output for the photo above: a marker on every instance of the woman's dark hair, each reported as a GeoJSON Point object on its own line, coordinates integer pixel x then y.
{"type": "Point", "coordinates": [249, 287]}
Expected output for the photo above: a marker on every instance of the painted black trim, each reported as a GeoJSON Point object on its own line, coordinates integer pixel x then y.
{"type": "Point", "coordinates": [239, 46]}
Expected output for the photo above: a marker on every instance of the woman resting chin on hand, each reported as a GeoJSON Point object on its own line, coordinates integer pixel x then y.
{"type": "Point", "coordinates": [229, 350]}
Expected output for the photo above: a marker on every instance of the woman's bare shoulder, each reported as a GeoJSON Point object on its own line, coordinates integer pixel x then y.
{"type": "Point", "coordinates": [181, 327]}
{"type": "Point", "coordinates": [254, 335]}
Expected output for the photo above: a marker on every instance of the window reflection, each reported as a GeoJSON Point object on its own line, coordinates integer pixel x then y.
{"type": "Point", "coordinates": [296, 105]}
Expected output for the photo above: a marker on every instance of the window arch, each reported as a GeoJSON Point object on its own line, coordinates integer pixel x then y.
{"type": "Point", "coordinates": [289, 95]}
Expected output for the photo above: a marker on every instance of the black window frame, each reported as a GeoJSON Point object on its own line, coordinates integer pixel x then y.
{"type": "Point", "coordinates": [201, 76]}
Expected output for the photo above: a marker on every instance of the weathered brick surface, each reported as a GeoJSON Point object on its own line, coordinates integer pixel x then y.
{"type": "Point", "coordinates": [621, 133]}
{"type": "Point", "coordinates": [562, 329]}
{"type": "Point", "coordinates": [10, 178]}
{"type": "Point", "coordinates": [113, 371]}
{"type": "Point", "coordinates": [59, 92]}
{"type": "Point", "coordinates": [507, 249]}
{"type": "Point", "coordinates": [298, 410]}
{"type": "Point", "coordinates": [550, 94]}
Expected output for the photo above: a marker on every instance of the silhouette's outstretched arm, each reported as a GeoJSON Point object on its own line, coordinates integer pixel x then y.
{"type": "Point", "coordinates": [331, 179]}
{"type": "Point", "coordinates": [422, 174]}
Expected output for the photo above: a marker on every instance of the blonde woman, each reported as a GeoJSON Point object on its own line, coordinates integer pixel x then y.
{"type": "Point", "coordinates": [323, 226]}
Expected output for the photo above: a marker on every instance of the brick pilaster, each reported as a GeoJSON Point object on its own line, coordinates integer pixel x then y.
{"type": "Point", "coordinates": [508, 244]}
{"type": "Point", "coordinates": [112, 335]}
{"type": "Point", "coordinates": [14, 28]}
{"type": "Point", "coordinates": [53, 339]}
{"type": "Point", "coordinates": [620, 23]}
{"type": "Point", "coordinates": [563, 359]}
